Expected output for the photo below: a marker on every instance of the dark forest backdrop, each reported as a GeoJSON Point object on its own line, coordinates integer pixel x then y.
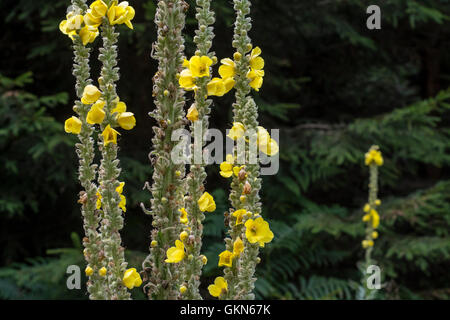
{"type": "Point", "coordinates": [332, 86]}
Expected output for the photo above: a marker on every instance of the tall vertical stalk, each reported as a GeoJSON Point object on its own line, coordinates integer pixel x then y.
{"type": "Point", "coordinates": [93, 252]}
{"type": "Point", "coordinates": [168, 186]}
{"type": "Point", "coordinates": [197, 175]}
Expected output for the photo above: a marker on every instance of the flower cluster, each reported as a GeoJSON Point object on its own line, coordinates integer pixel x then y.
{"type": "Point", "coordinates": [96, 115]}
{"type": "Point", "coordinates": [265, 143]}
{"type": "Point", "coordinates": [177, 253]}
{"type": "Point", "coordinates": [255, 72]}
{"type": "Point", "coordinates": [86, 27]}
{"type": "Point", "coordinates": [198, 67]}
{"type": "Point", "coordinates": [123, 200]}
{"type": "Point", "coordinates": [374, 157]}
{"type": "Point", "coordinates": [371, 217]}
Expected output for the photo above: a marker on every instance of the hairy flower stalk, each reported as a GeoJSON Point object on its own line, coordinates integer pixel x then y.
{"type": "Point", "coordinates": [197, 175]}
{"type": "Point", "coordinates": [245, 186]}
{"type": "Point", "coordinates": [164, 278]}
{"type": "Point", "coordinates": [93, 251]}
{"type": "Point", "coordinates": [373, 159]}
{"type": "Point", "coordinates": [112, 220]}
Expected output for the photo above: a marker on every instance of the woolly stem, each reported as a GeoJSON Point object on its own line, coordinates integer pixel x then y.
{"type": "Point", "coordinates": [93, 251]}
{"type": "Point", "coordinates": [112, 221]}
{"type": "Point", "coordinates": [197, 175]}
{"type": "Point", "coordinates": [168, 188]}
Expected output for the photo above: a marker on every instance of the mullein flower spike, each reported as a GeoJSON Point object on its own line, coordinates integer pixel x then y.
{"type": "Point", "coordinates": [164, 266]}
{"type": "Point", "coordinates": [81, 35]}
{"type": "Point", "coordinates": [246, 72]}
{"type": "Point", "coordinates": [373, 159]}
{"type": "Point", "coordinates": [98, 106]}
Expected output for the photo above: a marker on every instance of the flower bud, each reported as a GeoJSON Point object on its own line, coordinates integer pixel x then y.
{"type": "Point", "coordinates": [183, 289]}
{"type": "Point", "coordinates": [237, 56]}
{"type": "Point", "coordinates": [154, 243]}
{"type": "Point", "coordinates": [184, 235]}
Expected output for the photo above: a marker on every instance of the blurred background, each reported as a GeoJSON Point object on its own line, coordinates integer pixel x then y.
{"type": "Point", "coordinates": [332, 87]}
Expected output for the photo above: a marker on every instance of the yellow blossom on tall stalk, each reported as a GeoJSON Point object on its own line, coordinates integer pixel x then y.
{"type": "Point", "coordinates": [73, 125]}
{"type": "Point", "coordinates": [109, 135]}
{"type": "Point", "coordinates": [176, 254]}
{"type": "Point", "coordinates": [121, 13]}
{"type": "Point", "coordinates": [131, 278]}
{"type": "Point", "coordinates": [226, 259]}
{"type": "Point", "coordinates": [373, 159]}
{"type": "Point", "coordinates": [91, 94]}
{"type": "Point", "coordinates": [258, 231]}
{"type": "Point", "coordinates": [227, 69]}
{"type": "Point", "coordinates": [184, 216]}
{"type": "Point", "coordinates": [206, 203]}
{"type": "Point", "coordinates": [219, 288]}
{"type": "Point", "coordinates": [199, 66]}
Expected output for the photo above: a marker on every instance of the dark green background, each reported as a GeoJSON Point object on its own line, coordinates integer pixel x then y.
{"type": "Point", "coordinates": [332, 86]}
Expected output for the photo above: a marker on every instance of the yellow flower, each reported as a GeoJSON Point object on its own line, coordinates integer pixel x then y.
{"type": "Point", "coordinates": [90, 94]}
{"type": "Point", "coordinates": [237, 131]}
{"type": "Point", "coordinates": [99, 200]}
{"type": "Point", "coordinates": [366, 208]}
{"type": "Point", "coordinates": [227, 69]}
{"type": "Point", "coordinates": [102, 271]}
{"type": "Point", "coordinates": [184, 235]}
{"type": "Point", "coordinates": [199, 66]}
{"type": "Point", "coordinates": [374, 235]}
{"type": "Point", "coordinates": [206, 203]}
{"type": "Point", "coordinates": [378, 202]}
{"type": "Point", "coordinates": [219, 287]}
{"type": "Point", "coordinates": [121, 13]}
{"type": "Point", "coordinates": [186, 80]}
{"type": "Point", "coordinates": [74, 23]}
{"type": "Point", "coordinates": [70, 26]}
{"type": "Point", "coordinates": [183, 289]}
{"type": "Point", "coordinates": [374, 157]}
{"type": "Point", "coordinates": [204, 259]}
{"type": "Point", "coordinates": [367, 243]}
{"type": "Point", "coordinates": [126, 120]}
{"type": "Point", "coordinates": [226, 169]}
{"type": "Point", "coordinates": [132, 278]}
{"type": "Point", "coordinates": [88, 34]}
{"type": "Point", "coordinates": [89, 271]}
{"type": "Point", "coordinates": [239, 215]}
{"type": "Point", "coordinates": [266, 144]}
{"type": "Point", "coordinates": [219, 87]}
{"type": "Point", "coordinates": [121, 107]}
{"type": "Point", "coordinates": [175, 254]}
{"type": "Point", "coordinates": [258, 231]}
{"type": "Point", "coordinates": [123, 203]}
{"type": "Point", "coordinates": [216, 87]}
{"type": "Point", "coordinates": [95, 115]}
{"type": "Point", "coordinates": [237, 169]}
{"type": "Point", "coordinates": [238, 247]}
{"type": "Point", "coordinates": [366, 218]}
{"type": "Point", "coordinates": [119, 189]}
{"type": "Point", "coordinates": [109, 135]}
{"type": "Point", "coordinates": [154, 243]}
{"type": "Point", "coordinates": [256, 78]}
{"type": "Point", "coordinates": [375, 218]}
{"type": "Point", "coordinates": [271, 148]}
{"type": "Point", "coordinates": [184, 216]}
{"type": "Point", "coordinates": [256, 62]}
{"type": "Point", "coordinates": [192, 113]}
{"type": "Point", "coordinates": [73, 125]}
{"type": "Point", "coordinates": [226, 259]}
{"type": "Point", "coordinates": [98, 8]}
{"type": "Point", "coordinates": [91, 20]}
